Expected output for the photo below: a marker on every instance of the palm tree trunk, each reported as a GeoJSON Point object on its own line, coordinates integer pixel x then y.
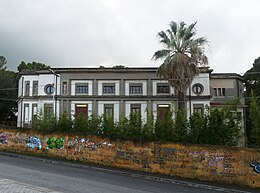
{"type": "Point", "coordinates": [181, 102]}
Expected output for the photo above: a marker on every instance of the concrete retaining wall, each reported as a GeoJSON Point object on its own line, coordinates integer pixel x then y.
{"type": "Point", "coordinates": [222, 164]}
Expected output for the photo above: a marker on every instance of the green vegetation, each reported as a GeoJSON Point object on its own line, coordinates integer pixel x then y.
{"type": "Point", "coordinates": [216, 127]}
{"type": "Point", "coordinates": [182, 54]}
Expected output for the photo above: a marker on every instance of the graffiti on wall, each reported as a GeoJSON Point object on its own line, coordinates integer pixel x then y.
{"type": "Point", "coordinates": [55, 143]}
{"type": "Point", "coordinates": [3, 138]}
{"type": "Point", "coordinates": [256, 167]}
{"type": "Point", "coordinates": [19, 138]}
{"type": "Point", "coordinates": [86, 144]}
{"type": "Point", "coordinates": [140, 157]}
{"type": "Point", "coordinates": [34, 142]}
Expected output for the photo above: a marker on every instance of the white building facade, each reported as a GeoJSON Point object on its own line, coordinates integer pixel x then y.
{"type": "Point", "coordinates": [117, 92]}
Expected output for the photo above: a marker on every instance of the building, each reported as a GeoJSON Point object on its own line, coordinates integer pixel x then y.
{"type": "Point", "coordinates": [118, 91]}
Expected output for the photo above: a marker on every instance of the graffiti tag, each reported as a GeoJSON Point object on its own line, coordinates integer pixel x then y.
{"type": "Point", "coordinates": [256, 167]}
{"type": "Point", "coordinates": [55, 143]}
{"type": "Point", "coordinates": [34, 142]}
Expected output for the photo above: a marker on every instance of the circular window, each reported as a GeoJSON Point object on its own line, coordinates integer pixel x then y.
{"type": "Point", "coordinates": [197, 88]}
{"type": "Point", "coordinates": [49, 89]}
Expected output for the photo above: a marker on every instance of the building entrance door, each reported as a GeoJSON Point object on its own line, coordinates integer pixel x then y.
{"type": "Point", "coordinates": [81, 110]}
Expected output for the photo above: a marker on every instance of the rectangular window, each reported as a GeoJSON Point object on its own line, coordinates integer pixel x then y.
{"type": "Point", "coordinates": [35, 88]}
{"type": "Point", "coordinates": [109, 110]}
{"type": "Point", "coordinates": [163, 89]}
{"type": "Point", "coordinates": [108, 88]}
{"type": "Point", "coordinates": [215, 92]}
{"type": "Point", "coordinates": [135, 108]}
{"type": "Point", "coordinates": [48, 109]}
{"type": "Point", "coordinates": [198, 108]}
{"type": "Point", "coordinates": [81, 89]}
{"type": "Point", "coordinates": [64, 88]}
{"type": "Point", "coordinates": [219, 91]}
{"type": "Point", "coordinates": [136, 89]}
{"type": "Point", "coordinates": [27, 88]}
{"type": "Point", "coordinates": [34, 113]}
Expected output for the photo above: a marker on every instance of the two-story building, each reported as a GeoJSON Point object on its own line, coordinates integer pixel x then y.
{"type": "Point", "coordinates": [118, 91]}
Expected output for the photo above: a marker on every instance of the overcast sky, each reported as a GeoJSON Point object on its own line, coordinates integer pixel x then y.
{"type": "Point", "coordinates": [90, 33]}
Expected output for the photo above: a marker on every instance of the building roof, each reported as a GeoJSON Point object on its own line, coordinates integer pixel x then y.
{"type": "Point", "coordinates": [226, 76]}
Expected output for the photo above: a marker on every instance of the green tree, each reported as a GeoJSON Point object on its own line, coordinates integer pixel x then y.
{"type": "Point", "coordinates": [32, 66]}
{"type": "Point", "coordinates": [2, 63]}
{"type": "Point", "coordinates": [182, 54]}
{"type": "Point", "coordinates": [252, 79]}
{"type": "Point", "coordinates": [8, 94]}
{"type": "Point", "coordinates": [254, 115]}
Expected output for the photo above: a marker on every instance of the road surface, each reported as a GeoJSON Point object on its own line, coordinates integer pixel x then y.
{"type": "Point", "coordinates": [34, 175]}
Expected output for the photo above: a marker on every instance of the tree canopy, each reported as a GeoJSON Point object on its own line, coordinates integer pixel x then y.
{"type": "Point", "coordinates": [2, 62]}
{"type": "Point", "coordinates": [181, 55]}
{"type": "Point", "coordinates": [8, 94]}
{"type": "Point", "coordinates": [252, 79]}
{"type": "Point", "coordinates": [32, 66]}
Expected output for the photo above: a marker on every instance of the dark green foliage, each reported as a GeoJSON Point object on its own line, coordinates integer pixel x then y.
{"type": "Point", "coordinates": [122, 127]}
{"type": "Point", "coordinates": [254, 114]}
{"type": "Point", "coordinates": [164, 128]}
{"type": "Point", "coordinates": [81, 124]}
{"type": "Point", "coordinates": [180, 127]}
{"type": "Point", "coordinates": [2, 63]}
{"type": "Point", "coordinates": [216, 127]}
{"type": "Point", "coordinates": [196, 127]}
{"type": "Point", "coordinates": [108, 126]}
{"type": "Point", "coordinates": [252, 78]}
{"type": "Point", "coordinates": [32, 66]}
{"type": "Point", "coordinates": [8, 94]}
{"type": "Point", "coordinates": [135, 125]}
{"type": "Point", "coordinates": [46, 121]}
{"type": "Point", "coordinates": [148, 128]}
{"type": "Point", "coordinates": [65, 123]}
{"type": "Point", "coordinates": [94, 125]}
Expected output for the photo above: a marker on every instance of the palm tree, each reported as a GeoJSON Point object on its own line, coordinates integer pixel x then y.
{"type": "Point", "coordinates": [182, 55]}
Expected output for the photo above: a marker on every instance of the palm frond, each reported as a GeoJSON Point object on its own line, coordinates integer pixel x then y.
{"type": "Point", "coordinates": [164, 38]}
{"type": "Point", "coordinates": [160, 54]}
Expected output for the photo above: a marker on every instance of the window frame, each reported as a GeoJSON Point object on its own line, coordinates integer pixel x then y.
{"type": "Point", "coordinates": [27, 88]}
{"type": "Point", "coordinates": [81, 85]}
{"type": "Point", "coordinates": [135, 85]}
{"type": "Point", "coordinates": [46, 89]}
{"type": "Point", "coordinates": [195, 88]}
{"type": "Point", "coordinates": [110, 107]}
{"type": "Point", "coordinates": [163, 85]}
{"type": "Point", "coordinates": [113, 85]}
{"type": "Point", "coordinates": [35, 88]}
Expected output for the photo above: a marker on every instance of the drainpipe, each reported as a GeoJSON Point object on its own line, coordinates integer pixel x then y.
{"type": "Point", "coordinates": [21, 109]}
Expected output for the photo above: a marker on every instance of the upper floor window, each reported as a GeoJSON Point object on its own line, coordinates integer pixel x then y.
{"type": "Point", "coordinates": [163, 89]}
{"type": "Point", "coordinates": [27, 88]}
{"type": "Point", "coordinates": [81, 88]}
{"type": "Point", "coordinates": [109, 89]}
{"type": "Point", "coordinates": [197, 88]}
{"type": "Point", "coordinates": [219, 91]}
{"type": "Point", "coordinates": [49, 89]}
{"type": "Point", "coordinates": [35, 87]}
{"type": "Point", "coordinates": [64, 88]}
{"type": "Point", "coordinates": [136, 89]}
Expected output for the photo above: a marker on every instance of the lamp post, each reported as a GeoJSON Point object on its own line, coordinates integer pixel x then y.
{"type": "Point", "coordinates": [54, 93]}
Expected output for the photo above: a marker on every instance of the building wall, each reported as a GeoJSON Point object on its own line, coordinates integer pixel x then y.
{"type": "Point", "coordinates": [216, 164]}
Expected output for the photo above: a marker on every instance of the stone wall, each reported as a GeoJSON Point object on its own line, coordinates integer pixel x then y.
{"type": "Point", "coordinates": [222, 164]}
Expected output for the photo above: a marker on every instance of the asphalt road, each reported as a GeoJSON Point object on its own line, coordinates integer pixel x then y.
{"type": "Point", "coordinates": [41, 175]}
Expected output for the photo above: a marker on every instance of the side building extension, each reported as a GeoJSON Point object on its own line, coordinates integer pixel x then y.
{"type": "Point", "coordinates": [117, 91]}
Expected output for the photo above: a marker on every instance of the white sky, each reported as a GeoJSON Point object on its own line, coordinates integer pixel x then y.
{"type": "Point", "coordinates": [90, 33]}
